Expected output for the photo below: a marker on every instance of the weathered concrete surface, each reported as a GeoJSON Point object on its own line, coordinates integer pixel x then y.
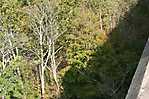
{"type": "Point", "coordinates": [139, 88]}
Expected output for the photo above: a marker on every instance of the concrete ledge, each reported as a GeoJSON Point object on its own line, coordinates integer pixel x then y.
{"type": "Point", "coordinates": [139, 88]}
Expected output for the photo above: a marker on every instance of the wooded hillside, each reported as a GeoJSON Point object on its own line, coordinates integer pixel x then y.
{"type": "Point", "coordinates": [70, 49]}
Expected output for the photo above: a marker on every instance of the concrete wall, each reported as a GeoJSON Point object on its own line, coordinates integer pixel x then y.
{"type": "Point", "coordinates": [139, 88]}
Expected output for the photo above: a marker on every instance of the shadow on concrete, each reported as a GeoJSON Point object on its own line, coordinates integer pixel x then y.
{"type": "Point", "coordinates": [110, 71]}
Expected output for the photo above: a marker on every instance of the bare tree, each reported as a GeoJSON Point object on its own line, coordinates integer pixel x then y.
{"type": "Point", "coordinates": [46, 31]}
{"type": "Point", "coordinates": [8, 50]}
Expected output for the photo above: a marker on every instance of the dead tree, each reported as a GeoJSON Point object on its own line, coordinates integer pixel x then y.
{"type": "Point", "coordinates": [43, 23]}
{"type": "Point", "coordinates": [8, 50]}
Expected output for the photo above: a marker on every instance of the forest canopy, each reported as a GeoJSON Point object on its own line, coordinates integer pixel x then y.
{"type": "Point", "coordinates": [70, 49]}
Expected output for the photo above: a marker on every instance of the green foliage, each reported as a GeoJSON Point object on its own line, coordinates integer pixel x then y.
{"type": "Point", "coordinates": [18, 81]}
{"type": "Point", "coordinates": [30, 79]}
{"type": "Point", "coordinates": [10, 81]}
{"type": "Point", "coordinates": [13, 19]}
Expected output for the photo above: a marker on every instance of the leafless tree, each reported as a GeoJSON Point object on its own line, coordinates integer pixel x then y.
{"type": "Point", "coordinates": [8, 50]}
{"type": "Point", "coordinates": [46, 30]}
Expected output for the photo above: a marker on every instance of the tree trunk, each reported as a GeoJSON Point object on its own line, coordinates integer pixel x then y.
{"type": "Point", "coordinates": [100, 19]}
{"type": "Point", "coordinates": [42, 83]}
{"type": "Point", "coordinates": [56, 80]}
{"type": "Point", "coordinates": [3, 97]}
{"type": "Point", "coordinates": [3, 62]}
